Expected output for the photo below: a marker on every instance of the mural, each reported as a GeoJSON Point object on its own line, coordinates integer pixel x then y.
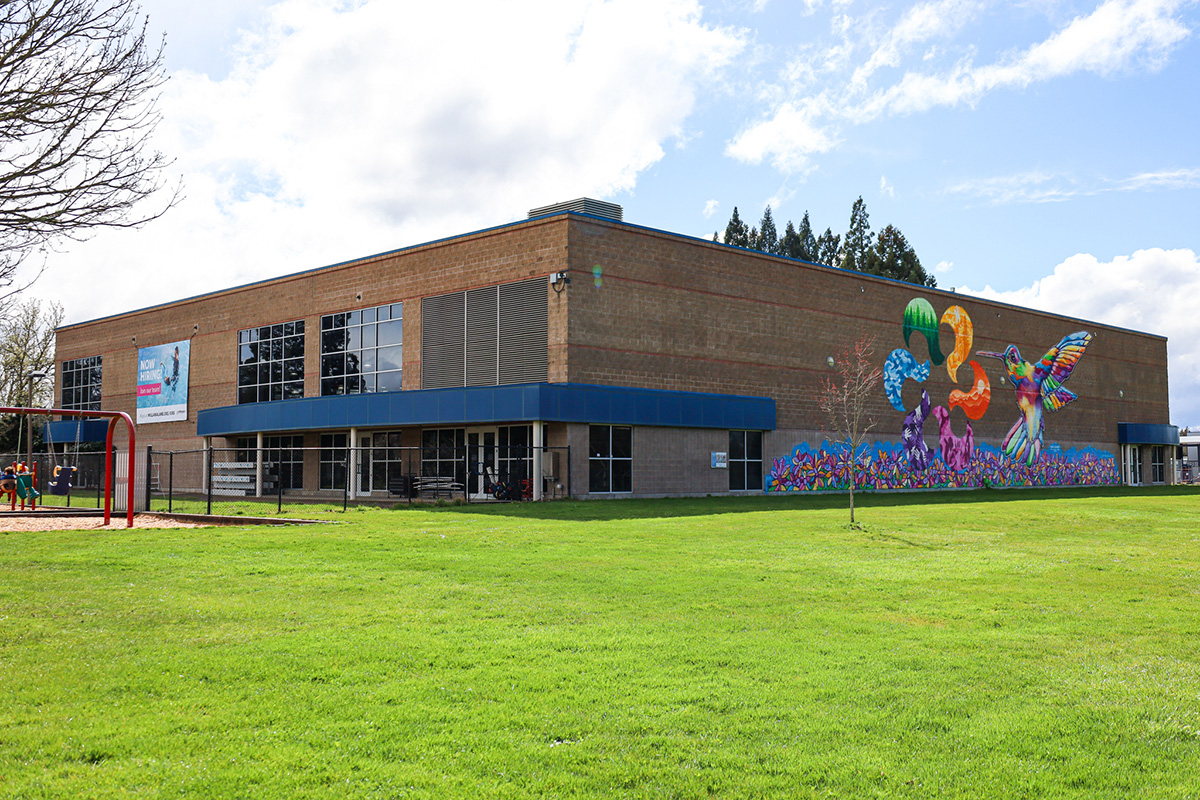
{"type": "Point", "coordinates": [958, 461]}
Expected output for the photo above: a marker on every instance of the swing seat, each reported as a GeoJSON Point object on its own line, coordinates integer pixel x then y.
{"type": "Point", "coordinates": [64, 477]}
{"type": "Point", "coordinates": [25, 489]}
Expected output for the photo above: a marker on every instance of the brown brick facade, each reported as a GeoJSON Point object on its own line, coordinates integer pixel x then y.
{"type": "Point", "coordinates": [644, 309]}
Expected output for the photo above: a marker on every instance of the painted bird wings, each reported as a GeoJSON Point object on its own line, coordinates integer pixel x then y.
{"type": "Point", "coordinates": [1056, 366]}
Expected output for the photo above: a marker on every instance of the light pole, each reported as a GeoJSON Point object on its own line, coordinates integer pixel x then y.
{"type": "Point", "coordinates": [35, 375]}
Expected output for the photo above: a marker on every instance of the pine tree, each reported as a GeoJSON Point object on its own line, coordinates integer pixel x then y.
{"type": "Point", "coordinates": [827, 248]}
{"type": "Point", "coordinates": [858, 238]}
{"type": "Point", "coordinates": [768, 237]}
{"type": "Point", "coordinates": [736, 232]}
{"type": "Point", "coordinates": [789, 243]}
{"type": "Point", "coordinates": [893, 257]}
{"type": "Point", "coordinates": [808, 242]}
{"type": "Point", "coordinates": [755, 239]}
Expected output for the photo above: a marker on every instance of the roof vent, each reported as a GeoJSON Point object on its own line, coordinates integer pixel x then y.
{"type": "Point", "coordinates": [582, 205]}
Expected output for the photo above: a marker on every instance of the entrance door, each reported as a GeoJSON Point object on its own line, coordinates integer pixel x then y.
{"type": "Point", "coordinates": [481, 457]}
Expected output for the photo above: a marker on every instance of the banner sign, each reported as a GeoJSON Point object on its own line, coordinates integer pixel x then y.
{"type": "Point", "coordinates": [162, 382]}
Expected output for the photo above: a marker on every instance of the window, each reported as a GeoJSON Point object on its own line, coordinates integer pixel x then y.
{"type": "Point", "coordinates": [333, 460]}
{"type": "Point", "coordinates": [485, 337]}
{"type": "Point", "coordinates": [610, 458]}
{"type": "Point", "coordinates": [382, 461]}
{"type": "Point", "coordinates": [283, 457]}
{"type": "Point", "coordinates": [81, 384]}
{"type": "Point", "coordinates": [362, 351]}
{"type": "Point", "coordinates": [1158, 464]}
{"type": "Point", "coordinates": [516, 452]}
{"type": "Point", "coordinates": [271, 362]}
{"type": "Point", "coordinates": [745, 460]}
{"type": "Point", "coordinates": [443, 454]}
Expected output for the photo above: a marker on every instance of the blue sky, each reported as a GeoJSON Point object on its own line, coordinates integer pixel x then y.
{"type": "Point", "coordinates": [1043, 153]}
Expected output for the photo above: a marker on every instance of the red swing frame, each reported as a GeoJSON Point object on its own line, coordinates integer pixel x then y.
{"type": "Point", "coordinates": [112, 416]}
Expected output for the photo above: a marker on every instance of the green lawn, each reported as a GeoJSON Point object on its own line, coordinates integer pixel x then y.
{"type": "Point", "coordinates": [983, 644]}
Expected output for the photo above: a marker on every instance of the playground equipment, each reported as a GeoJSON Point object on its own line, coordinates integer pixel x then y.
{"type": "Point", "coordinates": [112, 417]}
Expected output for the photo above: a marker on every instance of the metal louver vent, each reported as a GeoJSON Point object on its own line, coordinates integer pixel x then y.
{"type": "Point", "coordinates": [485, 337]}
{"type": "Point", "coordinates": [442, 341]}
{"type": "Point", "coordinates": [523, 332]}
{"type": "Point", "coordinates": [482, 336]}
{"type": "Point", "coordinates": [581, 205]}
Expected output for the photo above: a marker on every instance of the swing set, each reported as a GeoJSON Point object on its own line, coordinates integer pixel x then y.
{"type": "Point", "coordinates": [63, 476]}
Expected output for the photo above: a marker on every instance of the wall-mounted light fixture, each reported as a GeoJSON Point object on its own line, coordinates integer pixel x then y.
{"type": "Point", "coordinates": [559, 281]}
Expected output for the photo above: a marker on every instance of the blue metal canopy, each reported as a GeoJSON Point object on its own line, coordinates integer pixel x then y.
{"type": "Point", "coordinates": [478, 405]}
{"type": "Point", "coordinates": [1142, 433]}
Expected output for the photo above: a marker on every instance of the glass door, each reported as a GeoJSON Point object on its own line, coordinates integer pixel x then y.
{"type": "Point", "coordinates": [482, 459]}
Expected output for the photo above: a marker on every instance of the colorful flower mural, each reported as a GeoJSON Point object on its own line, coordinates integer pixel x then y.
{"type": "Point", "coordinates": [958, 462]}
{"type": "Point", "coordinates": [886, 466]}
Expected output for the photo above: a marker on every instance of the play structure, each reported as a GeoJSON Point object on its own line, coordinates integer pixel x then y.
{"type": "Point", "coordinates": [24, 484]}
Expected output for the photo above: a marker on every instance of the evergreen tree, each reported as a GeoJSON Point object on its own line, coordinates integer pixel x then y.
{"type": "Point", "coordinates": [789, 243]}
{"type": "Point", "coordinates": [736, 232]}
{"type": "Point", "coordinates": [858, 238]}
{"type": "Point", "coordinates": [893, 257]}
{"type": "Point", "coordinates": [755, 239]}
{"type": "Point", "coordinates": [768, 237]}
{"type": "Point", "coordinates": [808, 242]}
{"type": "Point", "coordinates": [827, 248]}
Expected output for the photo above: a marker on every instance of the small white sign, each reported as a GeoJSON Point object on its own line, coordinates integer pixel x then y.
{"type": "Point", "coordinates": [720, 460]}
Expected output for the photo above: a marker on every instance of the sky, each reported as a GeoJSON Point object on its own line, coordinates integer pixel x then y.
{"type": "Point", "coordinates": [1040, 153]}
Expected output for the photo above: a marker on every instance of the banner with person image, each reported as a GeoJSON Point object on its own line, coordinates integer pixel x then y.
{"type": "Point", "coordinates": [162, 382]}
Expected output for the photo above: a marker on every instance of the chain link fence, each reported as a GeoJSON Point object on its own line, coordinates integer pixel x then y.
{"type": "Point", "coordinates": [67, 481]}
{"type": "Point", "coordinates": [254, 482]}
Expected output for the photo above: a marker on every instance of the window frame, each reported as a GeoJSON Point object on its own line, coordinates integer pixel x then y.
{"type": "Point", "coordinates": [603, 461]}
{"type": "Point", "coordinates": [267, 354]}
{"type": "Point", "coordinates": [741, 463]}
{"type": "Point", "coordinates": [91, 369]}
{"type": "Point", "coordinates": [360, 334]}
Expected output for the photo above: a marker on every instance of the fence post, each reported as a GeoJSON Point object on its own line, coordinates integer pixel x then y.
{"type": "Point", "coordinates": [568, 470]}
{"type": "Point", "coordinates": [208, 480]}
{"type": "Point", "coordinates": [149, 471]}
{"type": "Point", "coordinates": [170, 480]}
{"type": "Point", "coordinates": [346, 479]}
{"type": "Point", "coordinates": [279, 483]}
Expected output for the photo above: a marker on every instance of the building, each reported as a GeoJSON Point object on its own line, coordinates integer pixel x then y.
{"type": "Point", "coordinates": [635, 361]}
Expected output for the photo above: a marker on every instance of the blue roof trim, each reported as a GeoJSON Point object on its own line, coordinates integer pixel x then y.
{"type": "Point", "coordinates": [73, 430]}
{"type": "Point", "coordinates": [1142, 433]}
{"type": "Point", "coordinates": [480, 405]}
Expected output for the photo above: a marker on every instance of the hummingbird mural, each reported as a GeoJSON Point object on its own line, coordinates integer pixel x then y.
{"type": "Point", "coordinates": [1039, 389]}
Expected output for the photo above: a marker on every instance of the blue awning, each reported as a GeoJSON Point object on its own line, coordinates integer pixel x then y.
{"type": "Point", "coordinates": [480, 405]}
{"type": "Point", "coordinates": [1141, 433]}
{"type": "Point", "coordinates": [70, 431]}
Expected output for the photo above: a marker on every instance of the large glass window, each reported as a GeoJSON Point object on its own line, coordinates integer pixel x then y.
{"type": "Point", "coordinates": [283, 458]}
{"type": "Point", "coordinates": [363, 351]}
{"type": "Point", "coordinates": [382, 462]}
{"type": "Point", "coordinates": [271, 362]}
{"type": "Point", "coordinates": [745, 460]}
{"type": "Point", "coordinates": [610, 458]}
{"type": "Point", "coordinates": [81, 384]}
{"type": "Point", "coordinates": [334, 456]}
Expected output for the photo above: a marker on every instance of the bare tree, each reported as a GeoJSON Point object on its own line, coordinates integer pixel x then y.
{"type": "Point", "coordinates": [78, 92]}
{"type": "Point", "coordinates": [844, 400]}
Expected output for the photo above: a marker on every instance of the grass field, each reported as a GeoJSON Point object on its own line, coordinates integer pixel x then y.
{"type": "Point", "coordinates": [985, 644]}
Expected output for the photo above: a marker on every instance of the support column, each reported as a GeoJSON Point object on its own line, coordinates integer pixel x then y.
{"type": "Point", "coordinates": [537, 460]}
{"type": "Point", "coordinates": [352, 470]}
{"type": "Point", "coordinates": [258, 470]}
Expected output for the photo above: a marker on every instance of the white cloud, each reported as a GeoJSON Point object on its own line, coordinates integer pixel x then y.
{"type": "Point", "coordinates": [1152, 290]}
{"type": "Point", "coordinates": [885, 188]}
{"type": "Point", "coordinates": [1041, 187]}
{"type": "Point", "coordinates": [710, 208]}
{"type": "Point", "coordinates": [829, 87]}
{"type": "Point", "coordinates": [347, 129]}
{"type": "Point", "coordinates": [943, 267]}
